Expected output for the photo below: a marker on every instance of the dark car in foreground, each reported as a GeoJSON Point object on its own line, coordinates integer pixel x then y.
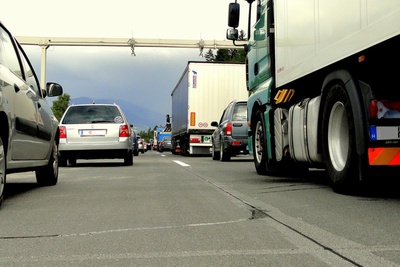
{"type": "Point", "coordinates": [230, 135]}
{"type": "Point", "coordinates": [28, 127]}
{"type": "Point", "coordinates": [95, 131]}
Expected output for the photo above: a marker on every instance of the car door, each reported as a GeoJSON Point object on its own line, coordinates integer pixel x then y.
{"type": "Point", "coordinates": [22, 101]}
{"type": "Point", "coordinates": [46, 122]}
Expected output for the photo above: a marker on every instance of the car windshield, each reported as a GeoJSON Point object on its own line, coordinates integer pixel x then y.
{"type": "Point", "coordinates": [92, 114]}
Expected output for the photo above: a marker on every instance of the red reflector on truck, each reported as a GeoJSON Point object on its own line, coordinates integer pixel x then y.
{"type": "Point", "coordinates": [384, 156]}
{"type": "Point", "coordinates": [194, 140]}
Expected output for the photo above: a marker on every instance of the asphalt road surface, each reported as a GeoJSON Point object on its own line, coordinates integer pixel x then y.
{"type": "Point", "coordinates": [170, 210]}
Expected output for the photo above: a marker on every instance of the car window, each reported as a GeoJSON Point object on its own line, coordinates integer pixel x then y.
{"type": "Point", "coordinates": [224, 115]}
{"type": "Point", "coordinates": [30, 76]}
{"type": "Point", "coordinates": [8, 57]}
{"type": "Point", "coordinates": [240, 112]}
{"type": "Point", "coordinates": [92, 114]}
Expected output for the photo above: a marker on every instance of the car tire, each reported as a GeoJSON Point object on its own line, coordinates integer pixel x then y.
{"type": "Point", "coordinates": [2, 170]}
{"type": "Point", "coordinates": [214, 154]}
{"type": "Point", "coordinates": [72, 161]}
{"type": "Point", "coordinates": [135, 152]}
{"type": "Point", "coordinates": [48, 175]}
{"type": "Point", "coordinates": [128, 159]}
{"type": "Point", "coordinates": [62, 161]}
{"type": "Point", "coordinates": [223, 156]}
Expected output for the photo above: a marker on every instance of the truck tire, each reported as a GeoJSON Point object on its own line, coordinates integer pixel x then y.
{"type": "Point", "coordinates": [2, 170]}
{"type": "Point", "coordinates": [48, 175]}
{"type": "Point", "coordinates": [259, 144]}
{"type": "Point", "coordinates": [339, 144]}
{"type": "Point", "coordinates": [214, 154]}
{"type": "Point", "coordinates": [223, 156]}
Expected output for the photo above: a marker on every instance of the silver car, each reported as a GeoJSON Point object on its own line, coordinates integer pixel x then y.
{"type": "Point", "coordinates": [95, 131]}
{"type": "Point", "coordinates": [28, 128]}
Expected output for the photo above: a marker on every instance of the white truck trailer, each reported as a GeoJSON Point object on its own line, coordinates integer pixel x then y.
{"type": "Point", "coordinates": [200, 96]}
{"type": "Point", "coordinates": [323, 78]}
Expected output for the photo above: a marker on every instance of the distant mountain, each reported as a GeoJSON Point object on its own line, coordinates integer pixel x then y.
{"type": "Point", "coordinates": [142, 118]}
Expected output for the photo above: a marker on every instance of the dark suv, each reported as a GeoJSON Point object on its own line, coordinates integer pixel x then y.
{"type": "Point", "coordinates": [230, 135]}
{"type": "Point", "coordinates": [28, 128]}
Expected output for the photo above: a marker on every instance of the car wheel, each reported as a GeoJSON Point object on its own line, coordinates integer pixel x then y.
{"type": "Point", "coordinates": [2, 170]}
{"type": "Point", "coordinates": [128, 160]}
{"type": "Point", "coordinates": [135, 152]}
{"type": "Point", "coordinates": [62, 161]}
{"type": "Point", "coordinates": [48, 175]}
{"type": "Point", "coordinates": [72, 161]}
{"type": "Point", "coordinates": [223, 156]}
{"type": "Point", "coordinates": [214, 154]}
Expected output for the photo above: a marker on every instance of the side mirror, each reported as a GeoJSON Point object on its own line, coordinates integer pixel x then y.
{"type": "Point", "coordinates": [232, 34]}
{"type": "Point", "coordinates": [233, 15]}
{"type": "Point", "coordinates": [54, 89]}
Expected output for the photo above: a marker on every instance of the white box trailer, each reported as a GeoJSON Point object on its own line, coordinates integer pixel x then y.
{"type": "Point", "coordinates": [200, 96]}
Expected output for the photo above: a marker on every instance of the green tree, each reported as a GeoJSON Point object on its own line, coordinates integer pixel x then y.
{"type": "Point", "coordinates": [228, 55]}
{"type": "Point", "coordinates": [60, 105]}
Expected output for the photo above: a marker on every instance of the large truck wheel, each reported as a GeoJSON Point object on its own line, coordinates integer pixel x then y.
{"type": "Point", "coordinates": [259, 144]}
{"type": "Point", "coordinates": [339, 145]}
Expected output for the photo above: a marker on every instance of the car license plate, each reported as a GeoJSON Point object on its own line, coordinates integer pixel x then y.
{"type": "Point", "coordinates": [92, 132]}
{"type": "Point", "coordinates": [384, 133]}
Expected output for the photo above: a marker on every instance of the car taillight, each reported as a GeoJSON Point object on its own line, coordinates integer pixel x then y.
{"type": "Point", "coordinates": [228, 129]}
{"type": "Point", "coordinates": [236, 143]}
{"type": "Point", "coordinates": [124, 131]}
{"type": "Point", "coordinates": [194, 140]}
{"type": "Point", "coordinates": [63, 132]}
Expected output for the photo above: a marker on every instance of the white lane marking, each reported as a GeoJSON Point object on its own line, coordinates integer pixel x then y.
{"type": "Point", "coordinates": [181, 163]}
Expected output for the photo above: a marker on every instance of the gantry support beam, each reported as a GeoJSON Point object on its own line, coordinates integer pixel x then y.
{"type": "Point", "coordinates": [45, 42]}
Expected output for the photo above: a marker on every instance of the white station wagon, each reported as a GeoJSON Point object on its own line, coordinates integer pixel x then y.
{"type": "Point", "coordinates": [95, 131]}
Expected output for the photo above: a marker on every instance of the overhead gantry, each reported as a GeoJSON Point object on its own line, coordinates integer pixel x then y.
{"type": "Point", "coordinates": [46, 42]}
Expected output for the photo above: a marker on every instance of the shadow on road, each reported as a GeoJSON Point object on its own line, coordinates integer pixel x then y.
{"type": "Point", "coordinates": [13, 189]}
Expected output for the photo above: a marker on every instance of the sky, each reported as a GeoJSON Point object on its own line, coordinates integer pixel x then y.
{"type": "Point", "coordinates": [146, 79]}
